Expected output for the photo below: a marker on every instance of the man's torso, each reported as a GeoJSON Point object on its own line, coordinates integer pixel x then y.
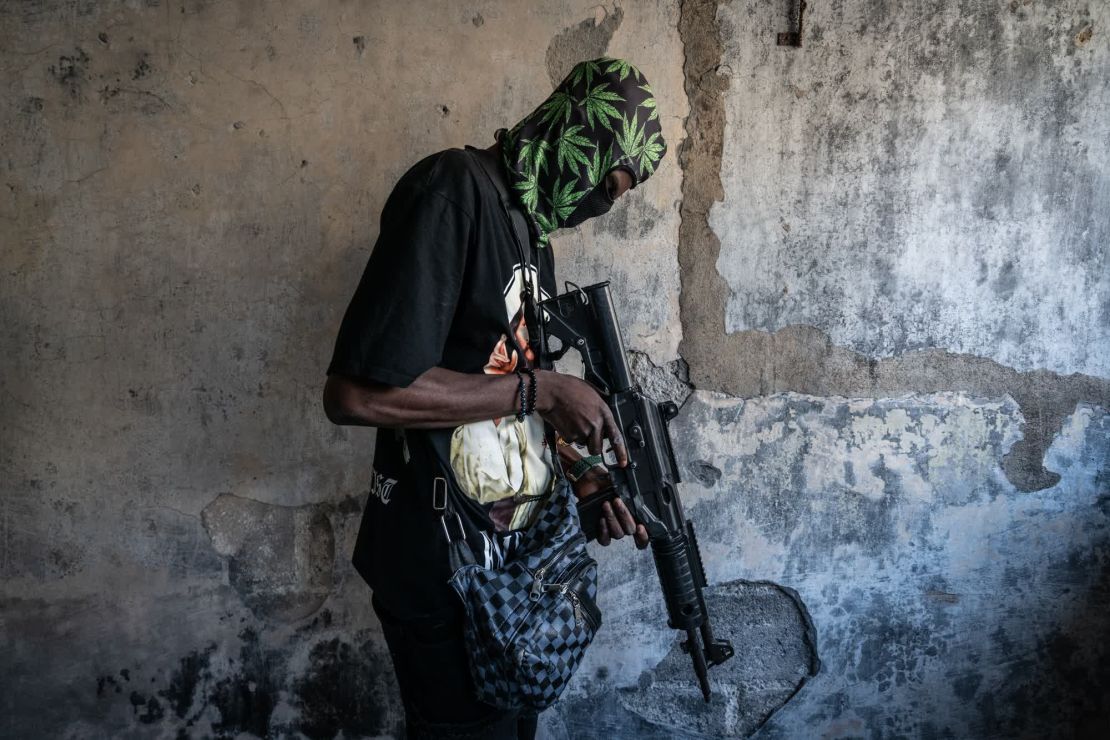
{"type": "Point", "coordinates": [495, 470]}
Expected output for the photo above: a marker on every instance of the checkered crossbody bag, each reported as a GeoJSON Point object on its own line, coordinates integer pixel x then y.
{"type": "Point", "coordinates": [529, 622]}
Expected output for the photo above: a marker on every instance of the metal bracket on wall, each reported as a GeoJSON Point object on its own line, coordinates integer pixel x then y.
{"type": "Point", "coordinates": [794, 38]}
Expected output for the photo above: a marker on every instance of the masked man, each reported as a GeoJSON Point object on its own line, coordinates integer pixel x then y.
{"type": "Point", "coordinates": [428, 352]}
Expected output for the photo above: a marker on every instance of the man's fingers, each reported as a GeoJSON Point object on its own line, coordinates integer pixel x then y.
{"type": "Point", "coordinates": [615, 530]}
{"type": "Point", "coordinates": [614, 525]}
{"type": "Point", "coordinates": [593, 442]}
{"type": "Point", "coordinates": [624, 516]}
{"type": "Point", "coordinates": [616, 439]}
{"type": "Point", "coordinates": [602, 533]}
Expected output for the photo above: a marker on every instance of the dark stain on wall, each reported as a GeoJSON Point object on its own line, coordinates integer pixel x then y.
{"type": "Point", "coordinates": [71, 72]}
{"type": "Point", "coordinates": [192, 671]}
{"type": "Point", "coordinates": [107, 683]}
{"type": "Point", "coordinates": [705, 473]}
{"type": "Point", "coordinates": [343, 690]}
{"type": "Point", "coordinates": [75, 71]}
{"type": "Point", "coordinates": [802, 358]}
{"type": "Point", "coordinates": [247, 697]}
{"type": "Point", "coordinates": [632, 218]}
{"type": "Point", "coordinates": [148, 710]}
{"type": "Point", "coordinates": [31, 107]}
{"type": "Point", "coordinates": [244, 698]}
{"type": "Point", "coordinates": [142, 67]}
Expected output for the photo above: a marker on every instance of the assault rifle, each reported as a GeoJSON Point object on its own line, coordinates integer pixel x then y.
{"type": "Point", "coordinates": [583, 319]}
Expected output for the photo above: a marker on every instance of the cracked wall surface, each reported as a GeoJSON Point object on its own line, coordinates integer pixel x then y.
{"type": "Point", "coordinates": [771, 167]}
{"type": "Point", "coordinates": [872, 271]}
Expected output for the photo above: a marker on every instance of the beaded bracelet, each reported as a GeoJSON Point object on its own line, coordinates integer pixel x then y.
{"type": "Point", "coordinates": [531, 390]}
{"type": "Point", "coordinates": [523, 397]}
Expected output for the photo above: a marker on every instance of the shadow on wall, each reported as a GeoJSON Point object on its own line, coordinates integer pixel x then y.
{"type": "Point", "coordinates": [1066, 674]}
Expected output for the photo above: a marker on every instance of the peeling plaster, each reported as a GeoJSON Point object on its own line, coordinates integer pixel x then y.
{"type": "Point", "coordinates": [942, 597]}
{"type": "Point", "coordinates": [280, 558]}
{"type": "Point", "coordinates": [668, 383]}
{"type": "Point", "coordinates": [776, 655]}
{"type": "Point", "coordinates": [803, 358]}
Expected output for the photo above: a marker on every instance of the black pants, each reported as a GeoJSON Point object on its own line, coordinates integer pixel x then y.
{"type": "Point", "coordinates": [430, 661]}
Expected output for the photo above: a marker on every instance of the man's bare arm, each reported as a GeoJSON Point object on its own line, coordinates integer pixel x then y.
{"type": "Point", "coordinates": [445, 398]}
{"type": "Point", "coordinates": [437, 398]}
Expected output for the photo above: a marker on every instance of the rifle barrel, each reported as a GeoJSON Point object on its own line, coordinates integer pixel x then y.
{"type": "Point", "coordinates": [693, 646]}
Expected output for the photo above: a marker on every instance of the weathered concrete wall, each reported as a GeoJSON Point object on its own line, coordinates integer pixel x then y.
{"type": "Point", "coordinates": [882, 263]}
{"type": "Point", "coordinates": [894, 245]}
{"type": "Point", "coordinates": [935, 172]}
{"type": "Point", "coordinates": [191, 190]}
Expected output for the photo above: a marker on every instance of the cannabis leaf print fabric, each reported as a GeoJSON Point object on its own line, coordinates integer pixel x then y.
{"type": "Point", "coordinates": [602, 116]}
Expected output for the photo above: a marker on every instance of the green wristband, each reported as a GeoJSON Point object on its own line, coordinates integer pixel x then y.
{"type": "Point", "coordinates": [579, 468]}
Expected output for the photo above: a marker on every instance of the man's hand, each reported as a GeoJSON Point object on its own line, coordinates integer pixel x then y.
{"type": "Point", "coordinates": [581, 416]}
{"type": "Point", "coordinates": [616, 522]}
{"type": "Point", "coordinates": [578, 413]}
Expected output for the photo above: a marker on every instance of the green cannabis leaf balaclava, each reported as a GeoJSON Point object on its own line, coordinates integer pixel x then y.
{"type": "Point", "coordinates": [602, 116]}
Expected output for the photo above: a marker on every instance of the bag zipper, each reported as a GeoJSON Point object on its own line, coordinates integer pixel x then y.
{"type": "Point", "coordinates": [570, 575]}
{"type": "Point", "coordinates": [537, 577]}
{"type": "Point", "coordinates": [563, 588]}
{"type": "Point", "coordinates": [575, 600]}
{"type": "Point", "coordinates": [579, 612]}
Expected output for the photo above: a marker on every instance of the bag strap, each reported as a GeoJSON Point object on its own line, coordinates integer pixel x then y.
{"type": "Point", "coordinates": [537, 336]}
{"type": "Point", "coordinates": [521, 236]}
{"type": "Point", "coordinates": [441, 500]}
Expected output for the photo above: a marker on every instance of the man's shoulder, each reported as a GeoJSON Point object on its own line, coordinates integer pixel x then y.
{"type": "Point", "coordinates": [448, 173]}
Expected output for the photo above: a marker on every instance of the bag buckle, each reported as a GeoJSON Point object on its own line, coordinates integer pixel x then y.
{"type": "Point", "coordinates": [439, 494]}
{"type": "Point", "coordinates": [439, 503]}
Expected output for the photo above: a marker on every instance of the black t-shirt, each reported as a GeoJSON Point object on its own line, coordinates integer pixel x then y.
{"type": "Point", "coordinates": [442, 288]}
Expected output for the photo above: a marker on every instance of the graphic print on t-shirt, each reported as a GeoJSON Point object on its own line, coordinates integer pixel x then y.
{"type": "Point", "coordinates": [381, 486]}
{"type": "Point", "coordinates": [505, 462]}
